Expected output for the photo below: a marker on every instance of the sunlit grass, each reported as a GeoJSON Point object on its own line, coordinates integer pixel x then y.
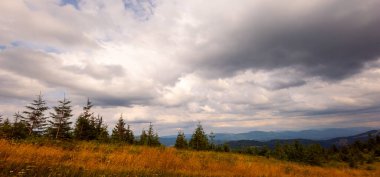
{"type": "Point", "coordinates": [92, 159]}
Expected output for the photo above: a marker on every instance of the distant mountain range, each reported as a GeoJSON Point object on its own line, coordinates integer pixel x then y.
{"type": "Point", "coordinates": [340, 141]}
{"type": "Point", "coordinates": [307, 135]}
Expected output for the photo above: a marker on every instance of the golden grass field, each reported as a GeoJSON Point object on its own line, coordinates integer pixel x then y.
{"type": "Point", "coordinates": [92, 159]}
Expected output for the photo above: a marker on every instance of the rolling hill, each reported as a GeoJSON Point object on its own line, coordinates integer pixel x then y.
{"type": "Point", "coordinates": [339, 141]}
{"type": "Point", "coordinates": [320, 134]}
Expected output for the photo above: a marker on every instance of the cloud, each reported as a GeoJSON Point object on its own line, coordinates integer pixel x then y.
{"type": "Point", "coordinates": [106, 72]}
{"type": "Point", "coordinates": [42, 28]}
{"type": "Point", "coordinates": [332, 40]}
{"type": "Point", "coordinates": [104, 83]}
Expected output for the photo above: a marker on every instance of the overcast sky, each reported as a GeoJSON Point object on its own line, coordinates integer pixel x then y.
{"type": "Point", "coordinates": [235, 66]}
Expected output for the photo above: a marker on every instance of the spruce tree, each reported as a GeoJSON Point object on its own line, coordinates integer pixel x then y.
{"type": "Point", "coordinates": [152, 137]}
{"type": "Point", "coordinates": [100, 129]}
{"type": "Point", "coordinates": [119, 133]}
{"type": "Point", "coordinates": [35, 116]}
{"type": "Point", "coordinates": [199, 139]}
{"type": "Point", "coordinates": [20, 129]}
{"type": "Point", "coordinates": [89, 127]}
{"type": "Point", "coordinates": [156, 140]}
{"type": "Point", "coordinates": [150, 134]}
{"type": "Point", "coordinates": [130, 137]}
{"type": "Point", "coordinates": [180, 142]}
{"type": "Point", "coordinates": [60, 124]}
{"type": "Point", "coordinates": [212, 142]}
{"type": "Point", "coordinates": [6, 129]}
{"type": "Point", "coordinates": [143, 138]}
{"type": "Point", "coordinates": [84, 128]}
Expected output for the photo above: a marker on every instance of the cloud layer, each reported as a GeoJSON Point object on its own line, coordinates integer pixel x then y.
{"type": "Point", "coordinates": [235, 66]}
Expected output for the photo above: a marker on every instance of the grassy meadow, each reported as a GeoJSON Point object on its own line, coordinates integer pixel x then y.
{"type": "Point", "coordinates": [96, 159]}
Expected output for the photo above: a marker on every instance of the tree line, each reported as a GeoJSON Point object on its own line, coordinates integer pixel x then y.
{"type": "Point", "coordinates": [35, 122]}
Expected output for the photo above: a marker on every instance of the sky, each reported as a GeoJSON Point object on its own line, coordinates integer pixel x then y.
{"type": "Point", "coordinates": [235, 66]}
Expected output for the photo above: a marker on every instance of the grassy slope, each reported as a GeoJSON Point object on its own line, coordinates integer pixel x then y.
{"type": "Point", "coordinates": [91, 159]}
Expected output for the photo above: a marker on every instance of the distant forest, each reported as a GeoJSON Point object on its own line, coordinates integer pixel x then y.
{"type": "Point", "coordinates": [37, 125]}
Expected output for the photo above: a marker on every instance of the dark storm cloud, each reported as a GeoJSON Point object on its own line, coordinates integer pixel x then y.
{"type": "Point", "coordinates": [109, 100]}
{"type": "Point", "coordinates": [286, 84]}
{"type": "Point", "coordinates": [344, 111]}
{"type": "Point", "coordinates": [332, 40]}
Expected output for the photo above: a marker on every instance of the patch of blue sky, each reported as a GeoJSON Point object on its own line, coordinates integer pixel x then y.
{"type": "Point", "coordinates": [2, 47]}
{"type": "Point", "coordinates": [74, 3]}
{"type": "Point", "coordinates": [36, 46]}
{"type": "Point", "coordinates": [142, 9]}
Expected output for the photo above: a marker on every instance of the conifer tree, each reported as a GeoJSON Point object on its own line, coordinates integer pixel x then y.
{"type": "Point", "coordinates": [212, 142]}
{"type": "Point", "coordinates": [199, 139]}
{"type": "Point", "coordinates": [60, 124]}
{"type": "Point", "coordinates": [35, 116]}
{"type": "Point", "coordinates": [130, 136]}
{"type": "Point", "coordinates": [143, 138]}
{"type": "Point", "coordinates": [150, 134]}
{"type": "Point", "coordinates": [6, 129]}
{"type": "Point", "coordinates": [156, 140]}
{"type": "Point", "coordinates": [152, 137]}
{"type": "Point", "coordinates": [119, 133]}
{"type": "Point", "coordinates": [101, 129]}
{"type": "Point", "coordinates": [93, 131]}
{"type": "Point", "coordinates": [180, 142]}
{"type": "Point", "coordinates": [19, 129]}
{"type": "Point", "coordinates": [84, 128]}
{"type": "Point", "coordinates": [89, 127]}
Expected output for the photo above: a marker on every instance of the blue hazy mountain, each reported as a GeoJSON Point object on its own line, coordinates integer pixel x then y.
{"type": "Point", "coordinates": [318, 134]}
{"type": "Point", "coordinates": [339, 141]}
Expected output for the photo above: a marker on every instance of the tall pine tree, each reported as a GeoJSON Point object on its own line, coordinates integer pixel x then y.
{"type": "Point", "coordinates": [152, 137]}
{"type": "Point", "coordinates": [100, 129]}
{"type": "Point", "coordinates": [119, 133]}
{"type": "Point", "coordinates": [199, 139]}
{"type": "Point", "coordinates": [6, 129]}
{"type": "Point", "coordinates": [143, 138]}
{"type": "Point", "coordinates": [35, 116]}
{"type": "Point", "coordinates": [181, 142]}
{"type": "Point", "coordinates": [89, 127]}
{"type": "Point", "coordinates": [212, 142]}
{"type": "Point", "coordinates": [122, 134]}
{"type": "Point", "coordinates": [84, 128]}
{"type": "Point", "coordinates": [60, 124]}
{"type": "Point", "coordinates": [20, 129]}
{"type": "Point", "coordinates": [130, 136]}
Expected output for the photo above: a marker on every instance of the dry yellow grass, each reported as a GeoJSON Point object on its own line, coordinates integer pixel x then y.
{"type": "Point", "coordinates": [90, 159]}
